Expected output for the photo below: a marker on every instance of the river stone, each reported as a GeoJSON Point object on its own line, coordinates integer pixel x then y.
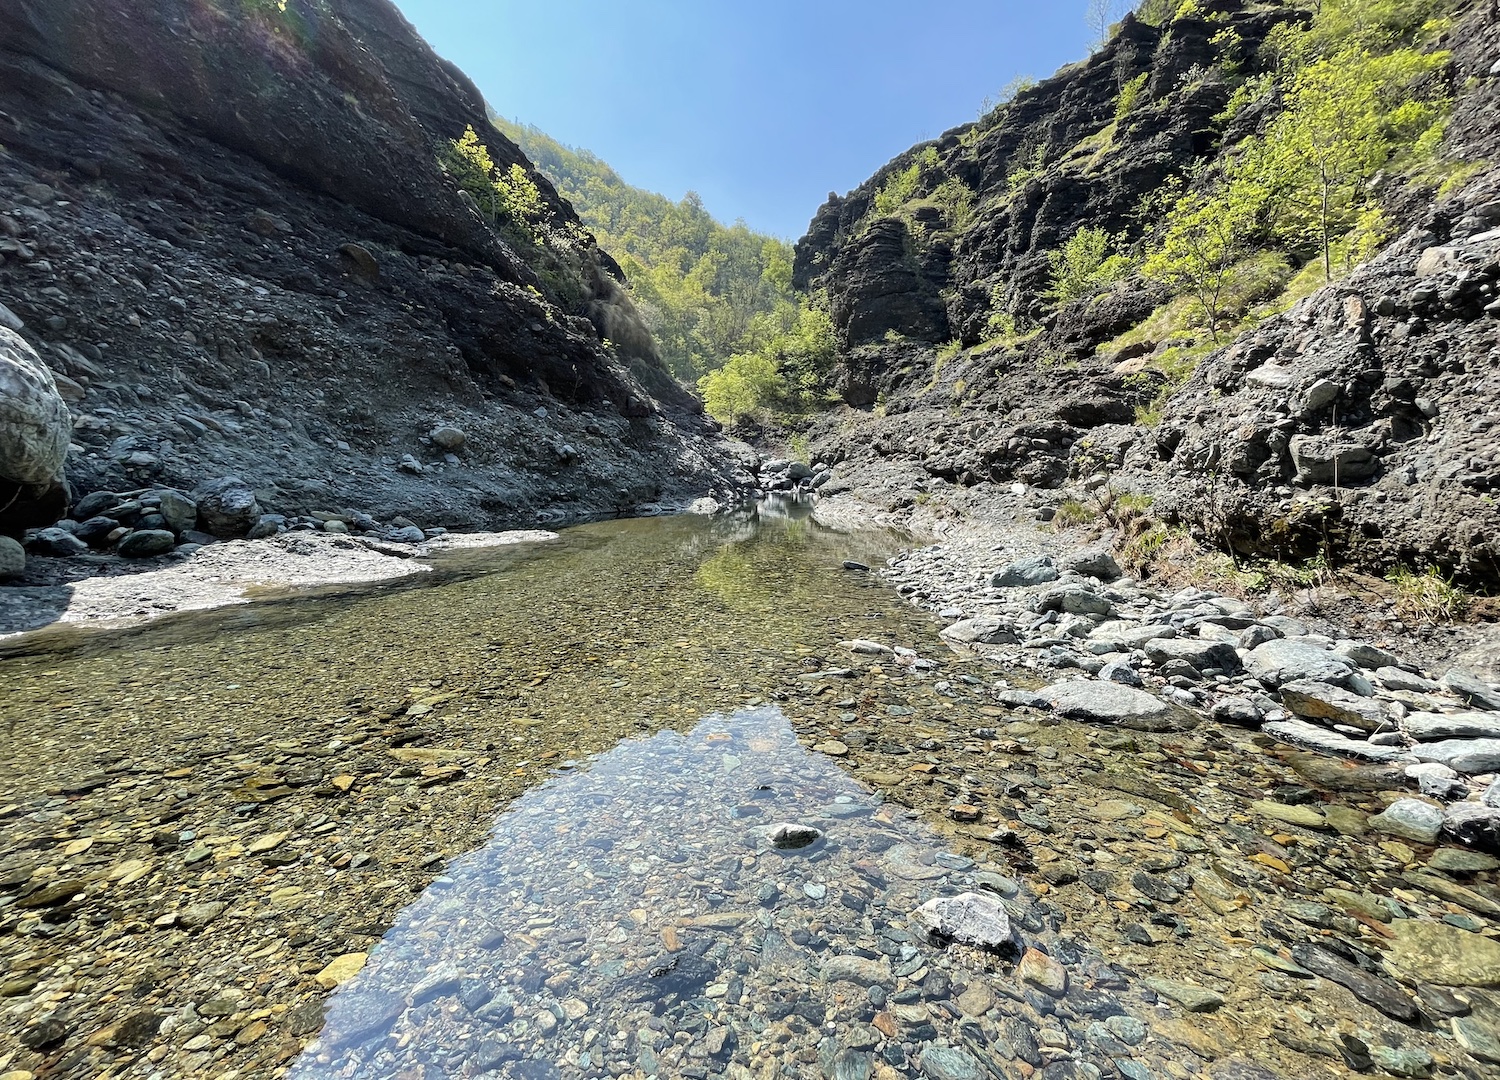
{"type": "Point", "coordinates": [790, 836]}
{"type": "Point", "coordinates": [1104, 702]}
{"type": "Point", "coordinates": [857, 969]}
{"type": "Point", "coordinates": [1075, 600]}
{"type": "Point", "coordinates": [1428, 726]}
{"type": "Point", "coordinates": [12, 557]}
{"type": "Point", "coordinates": [1410, 819]}
{"type": "Point", "coordinates": [1096, 562]}
{"type": "Point", "coordinates": [145, 543]}
{"type": "Point", "coordinates": [1366, 655]}
{"type": "Point", "coordinates": [340, 970]}
{"type": "Point", "coordinates": [969, 919]}
{"type": "Point", "coordinates": [57, 543]}
{"type": "Point", "coordinates": [1435, 780]}
{"type": "Point", "coordinates": [947, 1063]}
{"type": "Point", "coordinates": [179, 512]}
{"type": "Point", "coordinates": [35, 426]}
{"type": "Point", "coordinates": [1192, 998]}
{"type": "Point", "coordinates": [227, 507]}
{"type": "Point", "coordinates": [1043, 972]}
{"type": "Point", "coordinates": [1283, 661]}
{"type": "Point", "coordinates": [1372, 989]}
{"type": "Point", "coordinates": [1305, 816]}
{"type": "Point", "coordinates": [1473, 823]}
{"type": "Point", "coordinates": [1471, 691]}
{"type": "Point", "coordinates": [982, 630]}
{"type": "Point", "coordinates": [1469, 756]}
{"type": "Point", "coordinates": [1461, 861]}
{"type": "Point", "coordinates": [1426, 951]}
{"type": "Point", "coordinates": [1394, 678]}
{"type": "Point", "coordinates": [1196, 651]}
{"type": "Point", "coordinates": [1024, 572]}
{"type": "Point", "coordinates": [1320, 701]}
{"type": "Point", "coordinates": [1477, 1037]}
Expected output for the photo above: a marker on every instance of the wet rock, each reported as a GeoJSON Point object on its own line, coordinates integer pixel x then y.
{"type": "Point", "coordinates": [1103, 702]}
{"type": "Point", "coordinates": [1190, 997]}
{"type": "Point", "coordinates": [1410, 819]}
{"type": "Point", "coordinates": [791, 836]}
{"type": "Point", "coordinates": [146, 543]}
{"type": "Point", "coordinates": [1035, 571]}
{"type": "Point", "coordinates": [859, 970]}
{"type": "Point", "coordinates": [969, 919]}
{"type": "Point", "coordinates": [55, 543]}
{"type": "Point", "coordinates": [227, 507]}
{"type": "Point", "coordinates": [849, 1064]}
{"type": "Point", "coordinates": [1305, 816]}
{"type": "Point", "coordinates": [1042, 971]}
{"type": "Point", "coordinates": [1283, 661]}
{"type": "Point", "coordinates": [1372, 989]}
{"type": "Point", "coordinates": [1435, 952]}
{"type": "Point", "coordinates": [1320, 701]}
{"type": "Point", "coordinates": [340, 970]}
{"type": "Point", "coordinates": [1471, 691]}
{"type": "Point", "coordinates": [12, 558]}
{"type": "Point", "coordinates": [948, 1063]}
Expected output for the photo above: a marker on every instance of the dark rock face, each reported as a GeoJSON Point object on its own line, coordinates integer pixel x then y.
{"type": "Point", "coordinates": [1357, 425]}
{"type": "Point", "coordinates": [228, 236]}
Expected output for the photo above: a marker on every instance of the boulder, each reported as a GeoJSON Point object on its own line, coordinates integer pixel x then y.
{"type": "Point", "coordinates": [1423, 950]}
{"type": "Point", "coordinates": [981, 630]}
{"type": "Point", "coordinates": [58, 543]}
{"type": "Point", "coordinates": [448, 438]}
{"type": "Point", "coordinates": [227, 507]}
{"type": "Point", "coordinates": [1098, 562]}
{"type": "Point", "coordinates": [1024, 572]}
{"type": "Point", "coordinates": [179, 512]}
{"type": "Point", "coordinates": [1075, 600]}
{"type": "Point", "coordinates": [1326, 460]}
{"type": "Point", "coordinates": [1366, 655]}
{"type": "Point", "coordinates": [1469, 756]}
{"type": "Point", "coordinates": [1410, 819]}
{"type": "Point", "coordinates": [145, 543]}
{"type": "Point", "coordinates": [1202, 654]}
{"type": "Point", "coordinates": [95, 531]}
{"type": "Point", "coordinates": [1286, 660]}
{"type": "Point", "coordinates": [12, 557]}
{"type": "Point", "coordinates": [35, 428]}
{"type": "Point", "coordinates": [1430, 726]}
{"type": "Point", "coordinates": [1320, 701]}
{"type": "Point", "coordinates": [1106, 702]}
{"type": "Point", "coordinates": [969, 919]}
{"type": "Point", "coordinates": [1471, 691]}
{"type": "Point", "coordinates": [1241, 712]}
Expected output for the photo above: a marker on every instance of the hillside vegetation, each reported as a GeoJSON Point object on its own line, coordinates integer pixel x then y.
{"type": "Point", "coordinates": [718, 299]}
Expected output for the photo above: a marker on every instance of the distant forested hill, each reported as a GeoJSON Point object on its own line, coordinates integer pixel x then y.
{"type": "Point", "coordinates": [708, 291]}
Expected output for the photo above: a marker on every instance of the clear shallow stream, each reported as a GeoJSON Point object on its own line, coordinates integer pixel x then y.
{"type": "Point", "coordinates": [528, 789]}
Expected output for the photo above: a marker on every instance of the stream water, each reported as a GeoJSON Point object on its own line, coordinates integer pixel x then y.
{"type": "Point", "coordinates": [518, 815]}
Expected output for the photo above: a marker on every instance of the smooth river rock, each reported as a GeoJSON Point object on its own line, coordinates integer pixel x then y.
{"type": "Point", "coordinates": [1105, 702]}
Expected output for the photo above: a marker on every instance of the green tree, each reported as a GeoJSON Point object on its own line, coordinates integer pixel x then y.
{"type": "Point", "coordinates": [1206, 233]}
{"type": "Point", "coordinates": [1347, 118]}
{"type": "Point", "coordinates": [1086, 265]}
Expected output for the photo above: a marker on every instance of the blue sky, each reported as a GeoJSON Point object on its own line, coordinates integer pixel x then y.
{"type": "Point", "coordinates": [762, 107]}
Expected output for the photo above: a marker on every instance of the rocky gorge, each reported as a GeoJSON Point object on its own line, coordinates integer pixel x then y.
{"type": "Point", "coordinates": [872, 766]}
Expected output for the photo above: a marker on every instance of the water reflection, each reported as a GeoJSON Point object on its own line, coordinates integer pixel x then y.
{"type": "Point", "coordinates": [636, 916]}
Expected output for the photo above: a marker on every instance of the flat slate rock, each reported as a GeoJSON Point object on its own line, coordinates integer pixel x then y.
{"type": "Point", "coordinates": [1430, 726]}
{"type": "Point", "coordinates": [1435, 952]}
{"type": "Point", "coordinates": [1105, 702]}
{"type": "Point", "coordinates": [1301, 733]}
{"type": "Point", "coordinates": [1471, 756]}
{"type": "Point", "coordinates": [1370, 988]}
{"type": "Point", "coordinates": [1320, 701]}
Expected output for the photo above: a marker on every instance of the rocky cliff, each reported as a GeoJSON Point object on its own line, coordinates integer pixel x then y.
{"type": "Point", "coordinates": [224, 227]}
{"type": "Point", "coordinates": [1356, 425]}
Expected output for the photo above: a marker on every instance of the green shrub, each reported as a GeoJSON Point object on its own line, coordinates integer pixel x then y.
{"type": "Point", "coordinates": [1427, 596]}
{"type": "Point", "coordinates": [1129, 94]}
{"type": "Point", "coordinates": [1086, 265]}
